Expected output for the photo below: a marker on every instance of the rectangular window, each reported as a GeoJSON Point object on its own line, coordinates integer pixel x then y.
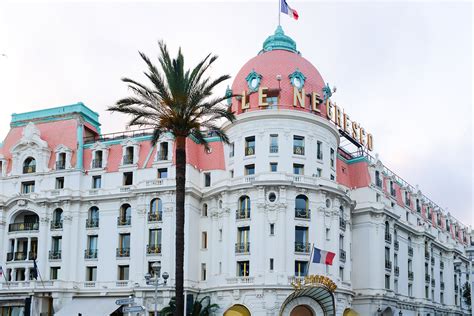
{"type": "Point", "coordinates": [96, 182]}
{"type": "Point", "coordinates": [319, 150]}
{"type": "Point", "coordinates": [249, 170]}
{"type": "Point", "coordinates": [127, 178]}
{"type": "Point", "coordinates": [332, 177]}
{"type": "Point", "coordinates": [128, 157]}
{"type": "Point", "coordinates": [387, 282]}
{"type": "Point", "coordinates": [341, 242]}
{"type": "Point", "coordinates": [272, 229]}
{"type": "Point", "coordinates": [249, 145]}
{"type": "Point", "coordinates": [243, 268]}
{"type": "Point", "coordinates": [301, 239]}
{"type": "Point", "coordinates": [441, 297]}
{"type": "Point", "coordinates": [204, 240]}
{"type": "Point", "coordinates": [231, 149]}
{"type": "Point", "coordinates": [207, 179]}
{"type": "Point", "coordinates": [56, 244]}
{"type": "Point", "coordinates": [59, 183]}
{"type": "Point", "coordinates": [163, 151]}
{"type": "Point", "coordinates": [220, 234]}
{"type": "Point", "coordinates": [91, 273]}
{"type": "Point", "coordinates": [298, 145]}
{"type": "Point", "coordinates": [378, 180]}
{"type": "Point", "coordinates": [301, 268]}
{"type": "Point", "coordinates": [271, 264]}
{"type": "Point", "coordinates": [332, 157]}
{"type": "Point", "coordinates": [27, 187]}
{"type": "Point", "coordinates": [124, 241]}
{"type": "Point", "coordinates": [203, 272]}
{"type": "Point", "coordinates": [123, 272]}
{"type": "Point", "coordinates": [407, 198]}
{"type": "Point", "coordinates": [341, 273]}
{"type": "Point", "coordinates": [92, 242]}
{"type": "Point", "coordinates": [273, 166]}
{"type": "Point", "coordinates": [395, 285]}
{"type": "Point", "coordinates": [162, 173]}
{"type": "Point", "coordinates": [427, 296]}
{"type": "Point", "coordinates": [410, 289]}
{"type": "Point", "coordinates": [231, 172]}
{"type": "Point", "coordinates": [298, 169]}
{"type": "Point", "coordinates": [243, 238]}
{"type": "Point", "coordinates": [392, 189]}
{"type": "Point", "coordinates": [319, 172]}
{"type": "Point", "coordinates": [273, 143]}
{"type": "Point", "coordinates": [54, 273]}
{"type": "Point", "coordinates": [154, 237]}
{"type": "Point", "coordinates": [387, 254]}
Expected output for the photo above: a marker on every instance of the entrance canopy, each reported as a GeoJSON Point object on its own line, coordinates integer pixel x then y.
{"type": "Point", "coordinates": [237, 310]}
{"type": "Point", "coordinates": [320, 294]}
{"type": "Point", "coordinates": [89, 306]}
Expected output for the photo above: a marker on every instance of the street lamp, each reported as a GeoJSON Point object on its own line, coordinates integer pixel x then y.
{"type": "Point", "coordinates": [155, 280]}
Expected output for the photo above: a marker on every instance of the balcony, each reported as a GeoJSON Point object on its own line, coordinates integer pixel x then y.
{"type": "Point", "coordinates": [433, 282]}
{"type": "Point", "coordinates": [388, 265]}
{"type": "Point", "coordinates": [155, 217]}
{"type": "Point", "coordinates": [249, 151]}
{"type": "Point", "coordinates": [127, 160]}
{"type": "Point", "coordinates": [60, 165]}
{"type": "Point", "coordinates": [342, 255]}
{"type": "Point", "coordinates": [427, 255]}
{"type": "Point", "coordinates": [153, 249]}
{"type": "Point", "coordinates": [123, 252]}
{"type": "Point", "coordinates": [162, 155]}
{"type": "Point", "coordinates": [32, 255]}
{"type": "Point", "coordinates": [441, 265]}
{"type": "Point", "coordinates": [55, 255]}
{"type": "Point", "coordinates": [90, 253]}
{"type": "Point", "coordinates": [396, 244]}
{"type": "Point", "coordinates": [242, 247]}
{"type": "Point", "coordinates": [124, 221]}
{"type": "Point", "coordinates": [342, 224]}
{"type": "Point", "coordinates": [442, 285]}
{"type": "Point", "coordinates": [298, 150]}
{"type": "Point", "coordinates": [302, 247]}
{"type": "Point", "coordinates": [427, 278]}
{"type": "Point", "coordinates": [242, 214]}
{"type": "Point", "coordinates": [397, 270]}
{"type": "Point", "coordinates": [92, 223]}
{"type": "Point", "coordinates": [18, 227]}
{"type": "Point", "coordinates": [57, 224]}
{"type": "Point", "coordinates": [388, 238]}
{"type": "Point", "coordinates": [302, 213]}
{"type": "Point", "coordinates": [410, 251]}
{"type": "Point", "coordinates": [432, 261]}
{"type": "Point", "coordinates": [410, 275]}
{"type": "Point", "coordinates": [9, 256]}
{"type": "Point", "coordinates": [20, 255]}
{"type": "Point", "coordinates": [30, 169]}
{"type": "Point", "coordinates": [97, 163]}
{"type": "Point", "coordinates": [273, 149]}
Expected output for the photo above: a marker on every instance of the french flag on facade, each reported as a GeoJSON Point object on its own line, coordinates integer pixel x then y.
{"type": "Point", "coordinates": [322, 256]}
{"type": "Point", "coordinates": [285, 8]}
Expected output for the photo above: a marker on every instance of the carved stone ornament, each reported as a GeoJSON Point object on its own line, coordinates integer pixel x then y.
{"type": "Point", "coordinates": [22, 202]}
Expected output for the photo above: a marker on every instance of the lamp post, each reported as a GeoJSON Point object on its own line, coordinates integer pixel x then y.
{"type": "Point", "coordinates": [155, 280]}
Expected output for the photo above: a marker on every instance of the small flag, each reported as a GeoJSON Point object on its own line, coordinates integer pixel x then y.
{"type": "Point", "coordinates": [322, 256]}
{"type": "Point", "coordinates": [34, 273]}
{"type": "Point", "coordinates": [285, 8]}
{"type": "Point", "coordinates": [1, 271]}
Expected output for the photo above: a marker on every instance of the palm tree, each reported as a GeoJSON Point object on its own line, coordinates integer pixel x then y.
{"type": "Point", "coordinates": [181, 103]}
{"type": "Point", "coordinates": [202, 307]}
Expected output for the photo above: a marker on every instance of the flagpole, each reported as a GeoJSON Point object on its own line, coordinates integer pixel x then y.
{"type": "Point", "coordinates": [279, 11]}
{"type": "Point", "coordinates": [310, 258]}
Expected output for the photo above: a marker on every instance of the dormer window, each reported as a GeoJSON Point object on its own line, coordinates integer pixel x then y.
{"type": "Point", "coordinates": [407, 198]}
{"type": "Point", "coordinates": [128, 155]}
{"type": "Point", "coordinates": [163, 151]}
{"type": "Point", "coordinates": [97, 161]}
{"type": "Point", "coordinates": [418, 206]}
{"type": "Point", "coordinates": [29, 165]}
{"type": "Point", "coordinates": [392, 189]}
{"type": "Point", "coordinates": [61, 162]}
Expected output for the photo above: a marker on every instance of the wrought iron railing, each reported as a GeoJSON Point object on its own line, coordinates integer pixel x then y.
{"type": "Point", "coordinates": [388, 265]}
{"type": "Point", "coordinates": [242, 213]}
{"type": "Point", "coordinates": [396, 270]}
{"type": "Point", "coordinates": [54, 254]}
{"type": "Point", "coordinates": [20, 255]}
{"type": "Point", "coordinates": [298, 150]}
{"type": "Point", "coordinates": [410, 251]}
{"type": "Point", "coordinates": [249, 151]}
{"type": "Point", "coordinates": [97, 163]}
{"type": "Point", "coordinates": [155, 216]}
{"type": "Point", "coordinates": [273, 149]}
{"type": "Point", "coordinates": [91, 253]}
{"type": "Point", "coordinates": [123, 252]}
{"type": "Point", "coordinates": [30, 169]}
{"type": "Point", "coordinates": [302, 213]}
{"type": "Point", "coordinates": [242, 247]}
{"type": "Point", "coordinates": [92, 223]}
{"type": "Point", "coordinates": [57, 224]}
{"type": "Point", "coordinates": [304, 247]}
{"type": "Point", "coordinates": [124, 220]}
{"type": "Point", "coordinates": [127, 160]}
{"type": "Point", "coordinates": [60, 165]}
{"type": "Point", "coordinates": [153, 249]}
{"type": "Point", "coordinates": [342, 255]}
{"type": "Point", "coordinates": [396, 245]}
{"type": "Point", "coordinates": [9, 256]}
{"type": "Point", "coordinates": [15, 227]}
{"type": "Point", "coordinates": [32, 255]}
{"type": "Point", "coordinates": [388, 238]}
{"type": "Point", "coordinates": [410, 275]}
{"type": "Point", "coordinates": [342, 224]}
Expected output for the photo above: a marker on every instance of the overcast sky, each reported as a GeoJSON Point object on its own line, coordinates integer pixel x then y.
{"type": "Point", "coordinates": [403, 70]}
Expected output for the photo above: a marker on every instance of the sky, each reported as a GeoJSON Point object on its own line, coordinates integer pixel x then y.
{"type": "Point", "coordinates": [402, 69]}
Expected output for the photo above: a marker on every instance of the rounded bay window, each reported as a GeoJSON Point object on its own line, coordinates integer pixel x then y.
{"type": "Point", "coordinates": [24, 221]}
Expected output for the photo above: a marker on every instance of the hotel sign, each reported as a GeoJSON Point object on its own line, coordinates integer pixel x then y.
{"type": "Point", "coordinates": [315, 280]}
{"type": "Point", "coordinates": [334, 113]}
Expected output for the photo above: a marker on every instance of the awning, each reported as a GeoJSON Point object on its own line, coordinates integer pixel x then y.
{"type": "Point", "coordinates": [90, 306]}
{"type": "Point", "coordinates": [318, 293]}
{"type": "Point", "coordinates": [350, 312]}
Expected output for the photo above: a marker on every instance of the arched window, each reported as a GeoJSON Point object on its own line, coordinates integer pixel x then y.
{"type": "Point", "coordinates": [204, 209]}
{"type": "Point", "coordinates": [93, 217]}
{"type": "Point", "coordinates": [125, 216]}
{"type": "Point", "coordinates": [302, 207]}
{"type": "Point", "coordinates": [29, 165]}
{"type": "Point", "coordinates": [244, 207]}
{"type": "Point", "coordinates": [57, 221]}
{"type": "Point", "coordinates": [156, 210]}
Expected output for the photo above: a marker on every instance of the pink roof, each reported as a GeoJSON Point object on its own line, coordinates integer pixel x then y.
{"type": "Point", "coordinates": [354, 175]}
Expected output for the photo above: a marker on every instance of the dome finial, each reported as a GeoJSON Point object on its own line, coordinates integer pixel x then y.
{"type": "Point", "coordinates": [279, 41]}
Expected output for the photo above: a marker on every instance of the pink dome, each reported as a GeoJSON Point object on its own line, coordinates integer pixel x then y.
{"type": "Point", "coordinates": [269, 64]}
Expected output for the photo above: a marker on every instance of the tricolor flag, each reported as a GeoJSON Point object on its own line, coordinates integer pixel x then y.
{"type": "Point", "coordinates": [1, 271]}
{"type": "Point", "coordinates": [322, 256]}
{"type": "Point", "coordinates": [285, 8]}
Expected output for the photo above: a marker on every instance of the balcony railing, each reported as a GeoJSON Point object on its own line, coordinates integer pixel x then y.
{"type": "Point", "coordinates": [388, 265]}
{"type": "Point", "coordinates": [410, 275]}
{"type": "Point", "coordinates": [441, 265]}
{"type": "Point", "coordinates": [31, 169]}
{"type": "Point", "coordinates": [304, 247]}
{"type": "Point", "coordinates": [396, 270]}
{"type": "Point", "coordinates": [242, 247]}
{"type": "Point", "coordinates": [153, 249]}
{"type": "Point", "coordinates": [302, 213]}
{"type": "Point", "coordinates": [60, 165]}
{"type": "Point", "coordinates": [20, 255]}
{"type": "Point", "coordinates": [249, 151]}
{"type": "Point", "coordinates": [55, 255]}
{"type": "Point", "coordinates": [127, 160]}
{"type": "Point", "coordinates": [92, 223]}
{"type": "Point", "coordinates": [442, 285]}
{"type": "Point", "coordinates": [342, 255]}
{"type": "Point", "coordinates": [242, 214]}
{"type": "Point", "coordinates": [388, 238]}
{"type": "Point", "coordinates": [298, 150]}
{"type": "Point", "coordinates": [162, 155]}
{"type": "Point", "coordinates": [9, 256]}
{"type": "Point", "coordinates": [90, 253]}
{"type": "Point", "coordinates": [427, 278]}
{"type": "Point", "coordinates": [342, 224]}
{"type": "Point", "coordinates": [427, 255]}
{"type": "Point", "coordinates": [17, 227]}
{"type": "Point", "coordinates": [273, 149]}
{"type": "Point", "coordinates": [32, 255]}
{"type": "Point", "coordinates": [155, 216]}
{"type": "Point", "coordinates": [396, 244]}
{"type": "Point", "coordinates": [124, 221]}
{"type": "Point", "coordinates": [123, 252]}
{"type": "Point", "coordinates": [432, 261]}
{"type": "Point", "coordinates": [57, 224]}
{"type": "Point", "coordinates": [410, 251]}
{"type": "Point", "coordinates": [97, 163]}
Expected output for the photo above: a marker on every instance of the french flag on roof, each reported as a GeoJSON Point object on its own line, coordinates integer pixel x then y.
{"type": "Point", "coordinates": [322, 256]}
{"type": "Point", "coordinates": [285, 8]}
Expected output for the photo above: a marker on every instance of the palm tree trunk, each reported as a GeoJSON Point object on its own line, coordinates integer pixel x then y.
{"type": "Point", "coordinates": [180, 153]}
